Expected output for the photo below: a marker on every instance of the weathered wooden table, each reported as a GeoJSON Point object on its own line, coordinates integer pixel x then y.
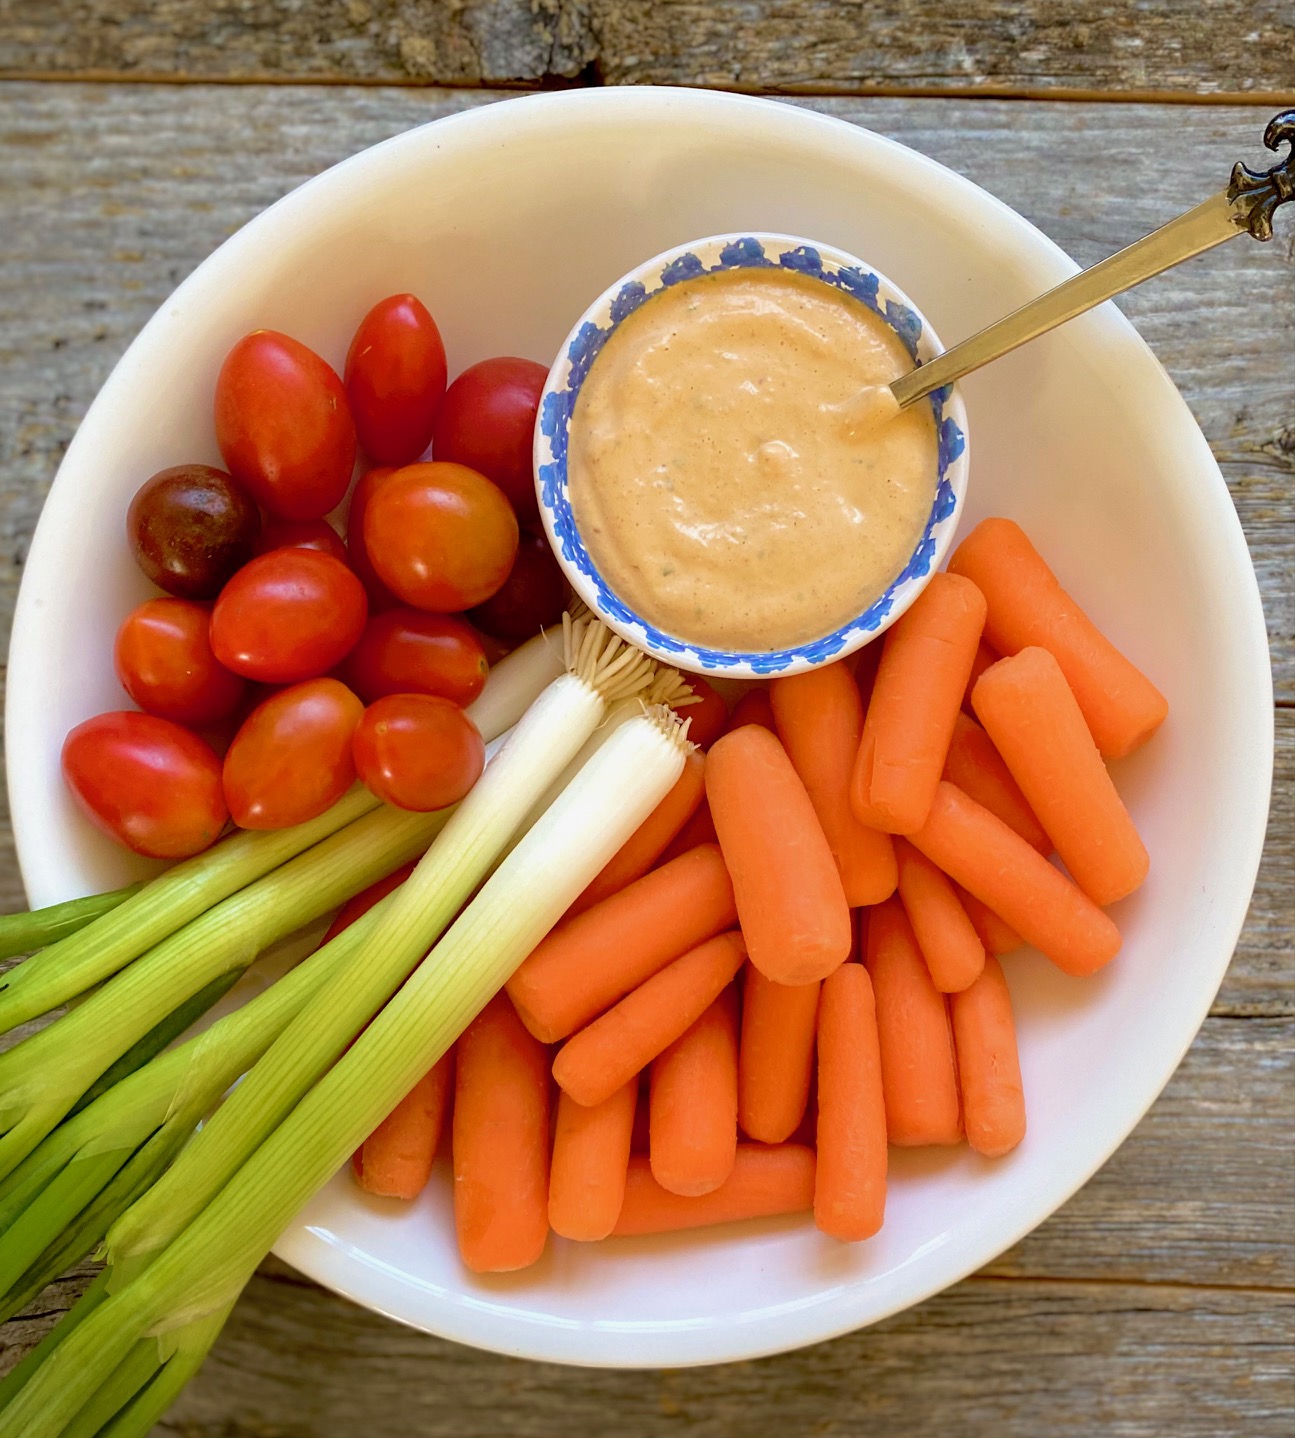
{"type": "Point", "coordinates": [134, 137]}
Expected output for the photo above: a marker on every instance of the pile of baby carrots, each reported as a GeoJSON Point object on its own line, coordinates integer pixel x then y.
{"type": "Point", "coordinates": [793, 964]}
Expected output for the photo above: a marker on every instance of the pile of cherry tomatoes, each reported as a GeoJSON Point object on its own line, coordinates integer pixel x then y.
{"type": "Point", "coordinates": [283, 661]}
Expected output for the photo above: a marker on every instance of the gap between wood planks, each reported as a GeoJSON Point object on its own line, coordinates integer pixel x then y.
{"type": "Point", "coordinates": [1063, 94]}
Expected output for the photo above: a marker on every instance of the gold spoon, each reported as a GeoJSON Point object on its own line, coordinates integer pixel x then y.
{"type": "Point", "coordinates": [1246, 205]}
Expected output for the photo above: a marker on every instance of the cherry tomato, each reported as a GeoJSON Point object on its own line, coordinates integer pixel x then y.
{"type": "Point", "coordinates": [440, 536]}
{"type": "Point", "coordinates": [292, 758]}
{"type": "Point", "coordinates": [487, 422]}
{"type": "Point", "coordinates": [380, 597]}
{"type": "Point", "coordinates": [283, 425]}
{"type": "Point", "coordinates": [754, 707]}
{"type": "Point", "coordinates": [288, 615]}
{"type": "Point", "coordinates": [190, 527]}
{"type": "Point", "coordinates": [405, 651]}
{"type": "Point", "coordinates": [395, 379]}
{"type": "Point", "coordinates": [418, 751]}
{"type": "Point", "coordinates": [709, 715]}
{"type": "Point", "coordinates": [164, 661]}
{"type": "Point", "coordinates": [148, 783]}
{"type": "Point", "coordinates": [531, 598]}
{"type": "Point", "coordinates": [301, 534]}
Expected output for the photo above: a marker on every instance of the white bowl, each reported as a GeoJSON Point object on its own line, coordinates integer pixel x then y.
{"type": "Point", "coordinates": [505, 220]}
{"type": "Point", "coordinates": [575, 358]}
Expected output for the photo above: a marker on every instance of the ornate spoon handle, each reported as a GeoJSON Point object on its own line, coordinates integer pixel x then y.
{"type": "Point", "coordinates": [1245, 206]}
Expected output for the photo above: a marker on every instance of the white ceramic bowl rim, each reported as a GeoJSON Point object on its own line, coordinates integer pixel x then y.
{"type": "Point", "coordinates": [59, 674]}
{"type": "Point", "coordinates": [712, 255]}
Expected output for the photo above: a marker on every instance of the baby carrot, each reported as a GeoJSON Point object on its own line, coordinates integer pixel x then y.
{"type": "Point", "coordinates": [985, 656]}
{"type": "Point", "coordinates": [708, 712]}
{"type": "Point", "coordinates": [607, 1053]}
{"type": "Point", "coordinates": [395, 1161]}
{"type": "Point", "coordinates": [1033, 719]}
{"type": "Point", "coordinates": [692, 1108]}
{"type": "Point", "coordinates": [994, 863]}
{"type": "Point", "coordinates": [360, 905]}
{"type": "Point", "coordinates": [700, 829]}
{"type": "Point", "coordinates": [591, 1153]}
{"type": "Point", "coordinates": [790, 902]}
{"type": "Point", "coordinates": [918, 1076]}
{"type": "Point", "coordinates": [1027, 606]}
{"type": "Point", "coordinates": [920, 683]}
{"type": "Point", "coordinates": [590, 961]}
{"type": "Point", "coordinates": [646, 844]}
{"type": "Point", "coordinates": [850, 1185]}
{"type": "Point", "coordinates": [996, 934]}
{"type": "Point", "coordinates": [820, 719]}
{"type": "Point", "coordinates": [949, 943]}
{"type": "Point", "coordinates": [500, 1142]}
{"type": "Point", "coordinates": [752, 708]}
{"type": "Point", "coordinates": [989, 1068]}
{"type": "Point", "coordinates": [978, 769]}
{"type": "Point", "coordinates": [766, 1179]}
{"type": "Point", "coordinates": [775, 1057]}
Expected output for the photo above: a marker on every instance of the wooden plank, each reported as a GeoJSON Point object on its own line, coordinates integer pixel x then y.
{"type": "Point", "coordinates": [989, 1359]}
{"type": "Point", "coordinates": [1233, 46]}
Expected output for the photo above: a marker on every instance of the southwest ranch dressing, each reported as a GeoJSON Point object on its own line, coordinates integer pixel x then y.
{"type": "Point", "coordinates": [737, 474]}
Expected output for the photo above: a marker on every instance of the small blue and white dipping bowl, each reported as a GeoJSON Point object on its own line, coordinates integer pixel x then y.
{"type": "Point", "coordinates": [581, 349]}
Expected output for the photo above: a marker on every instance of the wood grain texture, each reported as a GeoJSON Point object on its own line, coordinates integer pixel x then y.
{"type": "Point", "coordinates": [850, 46]}
{"type": "Point", "coordinates": [984, 1358]}
{"type": "Point", "coordinates": [1159, 1299]}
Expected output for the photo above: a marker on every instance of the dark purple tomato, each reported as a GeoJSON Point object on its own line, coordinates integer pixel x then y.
{"type": "Point", "coordinates": [190, 527]}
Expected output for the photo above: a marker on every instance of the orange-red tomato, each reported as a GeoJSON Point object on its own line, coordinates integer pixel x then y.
{"type": "Point", "coordinates": [301, 534]}
{"type": "Point", "coordinates": [406, 651]}
{"type": "Point", "coordinates": [284, 426]}
{"type": "Point", "coordinates": [395, 379]}
{"type": "Point", "coordinates": [418, 751]}
{"type": "Point", "coordinates": [709, 714]}
{"type": "Point", "coordinates": [288, 615]}
{"type": "Point", "coordinates": [380, 597]}
{"type": "Point", "coordinates": [164, 661]}
{"type": "Point", "coordinates": [292, 757]}
{"type": "Point", "coordinates": [441, 537]}
{"type": "Point", "coordinates": [530, 599]}
{"type": "Point", "coordinates": [146, 782]}
{"type": "Point", "coordinates": [487, 421]}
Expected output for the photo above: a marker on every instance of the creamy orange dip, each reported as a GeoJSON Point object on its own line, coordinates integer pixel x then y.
{"type": "Point", "coordinates": [734, 479]}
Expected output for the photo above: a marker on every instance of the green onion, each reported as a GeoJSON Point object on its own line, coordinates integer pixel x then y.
{"type": "Point", "coordinates": [160, 1036]}
{"type": "Point", "coordinates": [23, 933]}
{"type": "Point", "coordinates": [42, 1077]}
{"type": "Point", "coordinates": [142, 1123]}
{"type": "Point", "coordinates": [127, 929]}
{"type": "Point", "coordinates": [191, 1285]}
{"type": "Point", "coordinates": [515, 681]}
{"type": "Point", "coordinates": [183, 892]}
{"type": "Point", "coordinates": [603, 671]}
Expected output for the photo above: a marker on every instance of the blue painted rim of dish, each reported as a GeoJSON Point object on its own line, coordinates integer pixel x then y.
{"type": "Point", "coordinates": [572, 368]}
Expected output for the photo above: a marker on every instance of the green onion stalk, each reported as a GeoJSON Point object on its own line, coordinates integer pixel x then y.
{"type": "Point", "coordinates": [168, 1313]}
{"type": "Point", "coordinates": [96, 951]}
{"type": "Point", "coordinates": [43, 1078]}
{"type": "Point", "coordinates": [59, 1202]}
{"type": "Point", "coordinates": [602, 672]}
{"type": "Point", "coordinates": [84, 941]}
{"type": "Point", "coordinates": [24, 933]}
